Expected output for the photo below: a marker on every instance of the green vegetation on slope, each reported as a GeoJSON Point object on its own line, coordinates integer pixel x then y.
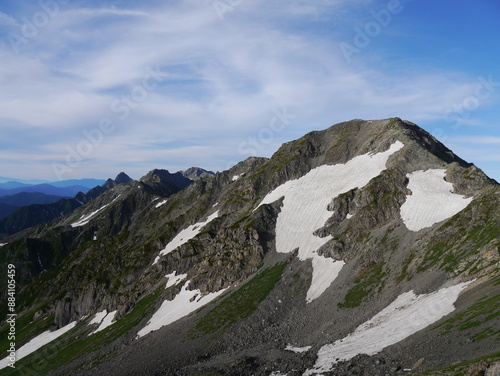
{"type": "Point", "coordinates": [369, 278]}
{"type": "Point", "coordinates": [457, 241]}
{"type": "Point", "coordinates": [483, 313]}
{"type": "Point", "coordinates": [75, 344]}
{"type": "Point", "coordinates": [240, 304]}
{"type": "Point", "coordinates": [462, 368]}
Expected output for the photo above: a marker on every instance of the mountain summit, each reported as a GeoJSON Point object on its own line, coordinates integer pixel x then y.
{"type": "Point", "coordinates": [196, 173]}
{"type": "Point", "coordinates": [368, 248]}
{"type": "Point", "coordinates": [121, 178]}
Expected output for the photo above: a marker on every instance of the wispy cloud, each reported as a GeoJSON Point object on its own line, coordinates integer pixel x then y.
{"type": "Point", "coordinates": [482, 140]}
{"type": "Point", "coordinates": [218, 81]}
{"type": "Point", "coordinates": [6, 20]}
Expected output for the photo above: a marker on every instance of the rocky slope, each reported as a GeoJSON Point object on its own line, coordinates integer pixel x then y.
{"type": "Point", "coordinates": [196, 173]}
{"type": "Point", "coordinates": [367, 248]}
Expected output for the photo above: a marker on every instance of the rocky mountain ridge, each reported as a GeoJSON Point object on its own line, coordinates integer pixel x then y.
{"type": "Point", "coordinates": [210, 281]}
{"type": "Point", "coordinates": [29, 215]}
{"type": "Point", "coordinates": [35, 214]}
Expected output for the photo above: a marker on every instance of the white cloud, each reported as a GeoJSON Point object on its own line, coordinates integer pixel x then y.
{"type": "Point", "coordinates": [484, 140]}
{"type": "Point", "coordinates": [221, 79]}
{"type": "Point", "coordinates": [6, 20]}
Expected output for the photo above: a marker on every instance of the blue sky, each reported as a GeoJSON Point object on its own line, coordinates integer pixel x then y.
{"type": "Point", "coordinates": [92, 88]}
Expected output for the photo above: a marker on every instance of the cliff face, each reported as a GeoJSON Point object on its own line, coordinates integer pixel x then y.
{"type": "Point", "coordinates": [297, 264]}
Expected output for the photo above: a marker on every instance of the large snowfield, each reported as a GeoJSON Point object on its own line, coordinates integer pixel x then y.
{"type": "Point", "coordinates": [408, 314]}
{"type": "Point", "coordinates": [304, 210]}
{"type": "Point", "coordinates": [432, 200]}
{"type": "Point", "coordinates": [38, 342]}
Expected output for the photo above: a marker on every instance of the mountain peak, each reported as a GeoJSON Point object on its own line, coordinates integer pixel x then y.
{"type": "Point", "coordinates": [196, 173]}
{"type": "Point", "coordinates": [121, 178]}
{"type": "Point", "coordinates": [165, 183]}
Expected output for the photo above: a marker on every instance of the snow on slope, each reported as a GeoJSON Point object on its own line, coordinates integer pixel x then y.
{"type": "Point", "coordinates": [2, 244]}
{"type": "Point", "coordinates": [185, 235]}
{"type": "Point", "coordinates": [173, 279]}
{"type": "Point", "coordinates": [161, 203]}
{"type": "Point", "coordinates": [99, 316]}
{"type": "Point", "coordinates": [305, 210]}
{"type": "Point", "coordinates": [298, 350]}
{"type": "Point", "coordinates": [86, 218]}
{"type": "Point", "coordinates": [104, 319]}
{"type": "Point", "coordinates": [405, 316]}
{"type": "Point", "coordinates": [325, 270]}
{"type": "Point", "coordinates": [185, 302]}
{"type": "Point", "coordinates": [38, 342]}
{"type": "Point", "coordinates": [432, 200]}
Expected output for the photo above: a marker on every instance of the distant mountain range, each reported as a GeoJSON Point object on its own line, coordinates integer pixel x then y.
{"type": "Point", "coordinates": [15, 183]}
{"type": "Point", "coordinates": [9, 204]}
{"type": "Point", "coordinates": [23, 205]}
{"type": "Point", "coordinates": [46, 189]}
{"type": "Point", "coordinates": [17, 194]}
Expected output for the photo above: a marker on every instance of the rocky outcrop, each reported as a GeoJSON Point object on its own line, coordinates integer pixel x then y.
{"type": "Point", "coordinates": [196, 173]}
{"type": "Point", "coordinates": [164, 183]}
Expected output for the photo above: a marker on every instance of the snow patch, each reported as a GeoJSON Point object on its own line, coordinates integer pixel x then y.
{"type": "Point", "coordinates": [40, 262]}
{"type": "Point", "coordinates": [107, 321]}
{"type": "Point", "coordinates": [84, 219]}
{"type": "Point", "coordinates": [348, 216]}
{"type": "Point", "coordinates": [298, 350]}
{"type": "Point", "coordinates": [99, 316]}
{"type": "Point", "coordinates": [38, 342]}
{"type": "Point", "coordinates": [2, 244]}
{"type": "Point", "coordinates": [104, 319]}
{"type": "Point", "coordinates": [432, 200]}
{"type": "Point", "coordinates": [174, 280]}
{"type": "Point", "coordinates": [304, 210]}
{"type": "Point", "coordinates": [184, 303]}
{"type": "Point", "coordinates": [161, 203]}
{"type": "Point", "coordinates": [325, 270]}
{"type": "Point", "coordinates": [408, 314]}
{"type": "Point", "coordinates": [185, 235]}
{"type": "Point", "coordinates": [236, 177]}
